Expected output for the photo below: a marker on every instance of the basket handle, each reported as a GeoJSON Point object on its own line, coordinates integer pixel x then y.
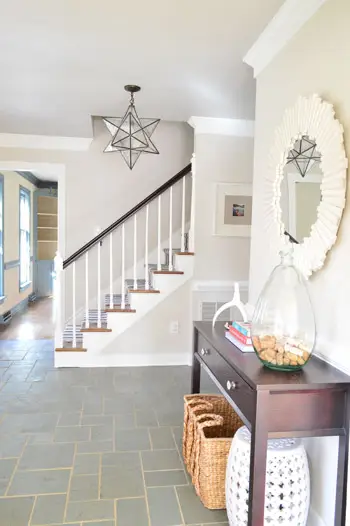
{"type": "Point", "coordinates": [201, 401]}
{"type": "Point", "coordinates": [209, 420]}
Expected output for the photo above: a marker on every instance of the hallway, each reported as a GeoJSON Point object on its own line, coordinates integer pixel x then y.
{"type": "Point", "coordinates": [34, 323]}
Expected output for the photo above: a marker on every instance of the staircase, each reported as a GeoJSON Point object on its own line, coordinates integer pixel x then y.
{"type": "Point", "coordinates": [98, 317]}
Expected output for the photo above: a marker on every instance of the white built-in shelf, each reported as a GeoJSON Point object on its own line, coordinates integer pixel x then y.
{"type": "Point", "coordinates": [48, 227]}
{"type": "Point", "coordinates": [45, 214]}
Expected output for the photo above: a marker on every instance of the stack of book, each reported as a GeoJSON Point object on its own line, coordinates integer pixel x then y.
{"type": "Point", "coordinates": [238, 333]}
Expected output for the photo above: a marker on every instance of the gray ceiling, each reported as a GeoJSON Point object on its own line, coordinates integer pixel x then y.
{"type": "Point", "coordinates": [63, 61]}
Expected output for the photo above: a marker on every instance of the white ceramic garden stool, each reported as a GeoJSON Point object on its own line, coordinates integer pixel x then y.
{"type": "Point", "coordinates": [287, 490]}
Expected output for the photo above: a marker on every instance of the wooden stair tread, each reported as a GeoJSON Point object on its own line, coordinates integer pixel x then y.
{"type": "Point", "coordinates": [179, 272]}
{"type": "Point", "coordinates": [144, 291]}
{"type": "Point", "coordinates": [96, 329]}
{"type": "Point", "coordinates": [184, 253]}
{"type": "Point", "coordinates": [70, 349]}
{"type": "Point", "coordinates": [120, 310]}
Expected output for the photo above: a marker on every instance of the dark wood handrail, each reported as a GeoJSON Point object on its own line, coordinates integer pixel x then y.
{"type": "Point", "coordinates": [126, 216]}
{"type": "Point", "coordinates": [291, 238]}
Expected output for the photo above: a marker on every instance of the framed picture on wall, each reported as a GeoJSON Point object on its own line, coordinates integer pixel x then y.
{"type": "Point", "coordinates": [233, 209]}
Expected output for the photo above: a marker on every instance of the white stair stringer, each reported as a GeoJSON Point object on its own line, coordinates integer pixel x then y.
{"type": "Point", "coordinates": [97, 343]}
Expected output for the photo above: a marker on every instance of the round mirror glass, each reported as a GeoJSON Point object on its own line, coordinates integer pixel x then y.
{"type": "Point", "coordinates": [301, 189]}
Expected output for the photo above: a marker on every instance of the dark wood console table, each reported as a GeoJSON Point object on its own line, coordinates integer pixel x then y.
{"type": "Point", "coordinates": [313, 402]}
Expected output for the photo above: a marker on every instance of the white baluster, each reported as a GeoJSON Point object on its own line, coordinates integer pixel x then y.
{"type": "Point", "coordinates": [58, 267]}
{"type": "Point", "coordinates": [74, 309]}
{"type": "Point", "coordinates": [99, 285]}
{"type": "Point", "coordinates": [87, 321]}
{"type": "Point", "coordinates": [135, 251]}
{"type": "Point", "coordinates": [159, 265]}
{"type": "Point", "coordinates": [123, 267]}
{"type": "Point", "coordinates": [111, 271]}
{"type": "Point", "coordinates": [183, 214]}
{"type": "Point", "coordinates": [146, 250]}
{"type": "Point", "coordinates": [193, 204]}
{"type": "Point", "coordinates": [171, 229]}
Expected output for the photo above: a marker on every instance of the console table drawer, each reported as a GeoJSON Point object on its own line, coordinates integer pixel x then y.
{"type": "Point", "coordinates": [228, 379]}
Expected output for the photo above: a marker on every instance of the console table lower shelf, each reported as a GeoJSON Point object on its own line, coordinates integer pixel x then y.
{"type": "Point", "coordinates": [313, 402]}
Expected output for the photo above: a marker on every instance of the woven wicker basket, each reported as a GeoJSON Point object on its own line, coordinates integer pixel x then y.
{"type": "Point", "coordinates": [213, 437]}
{"type": "Point", "coordinates": [194, 406]}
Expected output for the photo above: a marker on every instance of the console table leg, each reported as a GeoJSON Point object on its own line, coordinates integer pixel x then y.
{"type": "Point", "coordinates": [258, 461]}
{"type": "Point", "coordinates": [196, 367]}
{"type": "Point", "coordinates": [342, 474]}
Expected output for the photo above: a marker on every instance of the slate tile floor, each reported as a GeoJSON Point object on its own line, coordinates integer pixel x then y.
{"type": "Point", "coordinates": [97, 447]}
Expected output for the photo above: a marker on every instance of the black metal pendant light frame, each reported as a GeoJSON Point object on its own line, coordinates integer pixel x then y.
{"type": "Point", "coordinates": [131, 135]}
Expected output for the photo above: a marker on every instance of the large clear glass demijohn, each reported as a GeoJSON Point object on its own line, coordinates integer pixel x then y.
{"type": "Point", "coordinates": [283, 325]}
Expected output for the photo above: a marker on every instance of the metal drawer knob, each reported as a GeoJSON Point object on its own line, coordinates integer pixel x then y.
{"type": "Point", "coordinates": [204, 351]}
{"type": "Point", "coordinates": [231, 385]}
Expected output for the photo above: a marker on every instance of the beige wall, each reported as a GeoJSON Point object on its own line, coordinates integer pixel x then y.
{"type": "Point", "coordinates": [315, 61]}
{"type": "Point", "coordinates": [225, 159]}
{"type": "Point", "coordinates": [12, 183]}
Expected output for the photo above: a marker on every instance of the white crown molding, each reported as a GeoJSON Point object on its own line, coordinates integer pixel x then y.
{"type": "Point", "coordinates": [218, 286]}
{"type": "Point", "coordinates": [288, 20]}
{"type": "Point", "coordinates": [214, 126]}
{"type": "Point", "coordinates": [44, 142]}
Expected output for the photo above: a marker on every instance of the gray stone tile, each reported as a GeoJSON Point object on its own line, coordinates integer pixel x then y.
{"type": "Point", "coordinates": [84, 487]}
{"type": "Point", "coordinates": [16, 512]}
{"type": "Point", "coordinates": [162, 438]}
{"type": "Point", "coordinates": [121, 404]}
{"type": "Point", "coordinates": [163, 507]}
{"type": "Point", "coordinates": [96, 420]}
{"type": "Point", "coordinates": [49, 509]}
{"type": "Point", "coordinates": [178, 432]}
{"type": "Point", "coordinates": [194, 511]}
{"type": "Point", "coordinates": [39, 482]}
{"type": "Point", "coordinates": [132, 512]}
{"type": "Point", "coordinates": [93, 510]}
{"type": "Point", "coordinates": [146, 418]}
{"type": "Point", "coordinates": [11, 445]}
{"type": "Point", "coordinates": [7, 467]}
{"type": "Point", "coordinates": [162, 459]}
{"type": "Point", "coordinates": [99, 523]}
{"type": "Point", "coordinates": [121, 483]}
{"type": "Point", "coordinates": [28, 423]}
{"type": "Point", "coordinates": [87, 464]}
{"type": "Point", "coordinates": [121, 460]}
{"type": "Point", "coordinates": [174, 477]}
{"type": "Point", "coordinates": [72, 434]}
{"type": "Point", "coordinates": [41, 438]}
{"type": "Point", "coordinates": [98, 446]}
{"type": "Point", "coordinates": [69, 419]}
{"type": "Point", "coordinates": [47, 456]}
{"type": "Point", "coordinates": [93, 407]}
{"type": "Point", "coordinates": [170, 417]}
{"type": "Point", "coordinates": [125, 421]}
{"type": "Point", "coordinates": [132, 440]}
{"type": "Point", "coordinates": [102, 432]}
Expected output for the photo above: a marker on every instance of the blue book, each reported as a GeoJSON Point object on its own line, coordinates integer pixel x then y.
{"type": "Point", "coordinates": [242, 327]}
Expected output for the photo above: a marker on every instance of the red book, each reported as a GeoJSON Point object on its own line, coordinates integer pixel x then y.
{"type": "Point", "coordinates": [239, 336]}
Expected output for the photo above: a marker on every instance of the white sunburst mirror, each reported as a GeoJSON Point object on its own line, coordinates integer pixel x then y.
{"type": "Point", "coordinates": [308, 148]}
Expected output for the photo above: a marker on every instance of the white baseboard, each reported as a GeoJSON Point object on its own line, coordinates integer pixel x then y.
{"type": "Point", "coordinates": [314, 519]}
{"type": "Point", "coordinates": [79, 359]}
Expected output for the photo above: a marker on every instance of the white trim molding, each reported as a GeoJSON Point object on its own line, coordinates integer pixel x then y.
{"type": "Point", "coordinates": [314, 519]}
{"type": "Point", "coordinates": [288, 20]}
{"type": "Point", "coordinates": [44, 142]}
{"type": "Point", "coordinates": [214, 126]}
{"type": "Point", "coordinates": [218, 286]}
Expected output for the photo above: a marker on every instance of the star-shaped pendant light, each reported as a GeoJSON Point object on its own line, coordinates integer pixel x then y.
{"type": "Point", "coordinates": [303, 155]}
{"type": "Point", "coordinates": [131, 135]}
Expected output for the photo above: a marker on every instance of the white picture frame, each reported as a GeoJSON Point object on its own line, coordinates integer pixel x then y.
{"type": "Point", "coordinates": [223, 192]}
{"type": "Point", "coordinates": [314, 117]}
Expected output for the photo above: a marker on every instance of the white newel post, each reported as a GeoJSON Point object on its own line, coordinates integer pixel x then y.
{"type": "Point", "coordinates": [193, 204]}
{"type": "Point", "coordinates": [99, 285]}
{"type": "Point", "coordinates": [74, 307]}
{"type": "Point", "coordinates": [135, 252]}
{"type": "Point", "coordinates": [110, 271]}
{"type": "Point", "coordinates": [171, 229]}
{"type": "Point", "coordinates": [159, 265]}
{"type": "Point", "coordinates": [123, 267]}
{"type": "Point", "coordinates": [183, 214]}
{"type": "Point", "coordinates": [87, 321]}
{"type": "Point", "coordinates": [58, 268]}
{"type": "Point", "coordinates": [146, 250]}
